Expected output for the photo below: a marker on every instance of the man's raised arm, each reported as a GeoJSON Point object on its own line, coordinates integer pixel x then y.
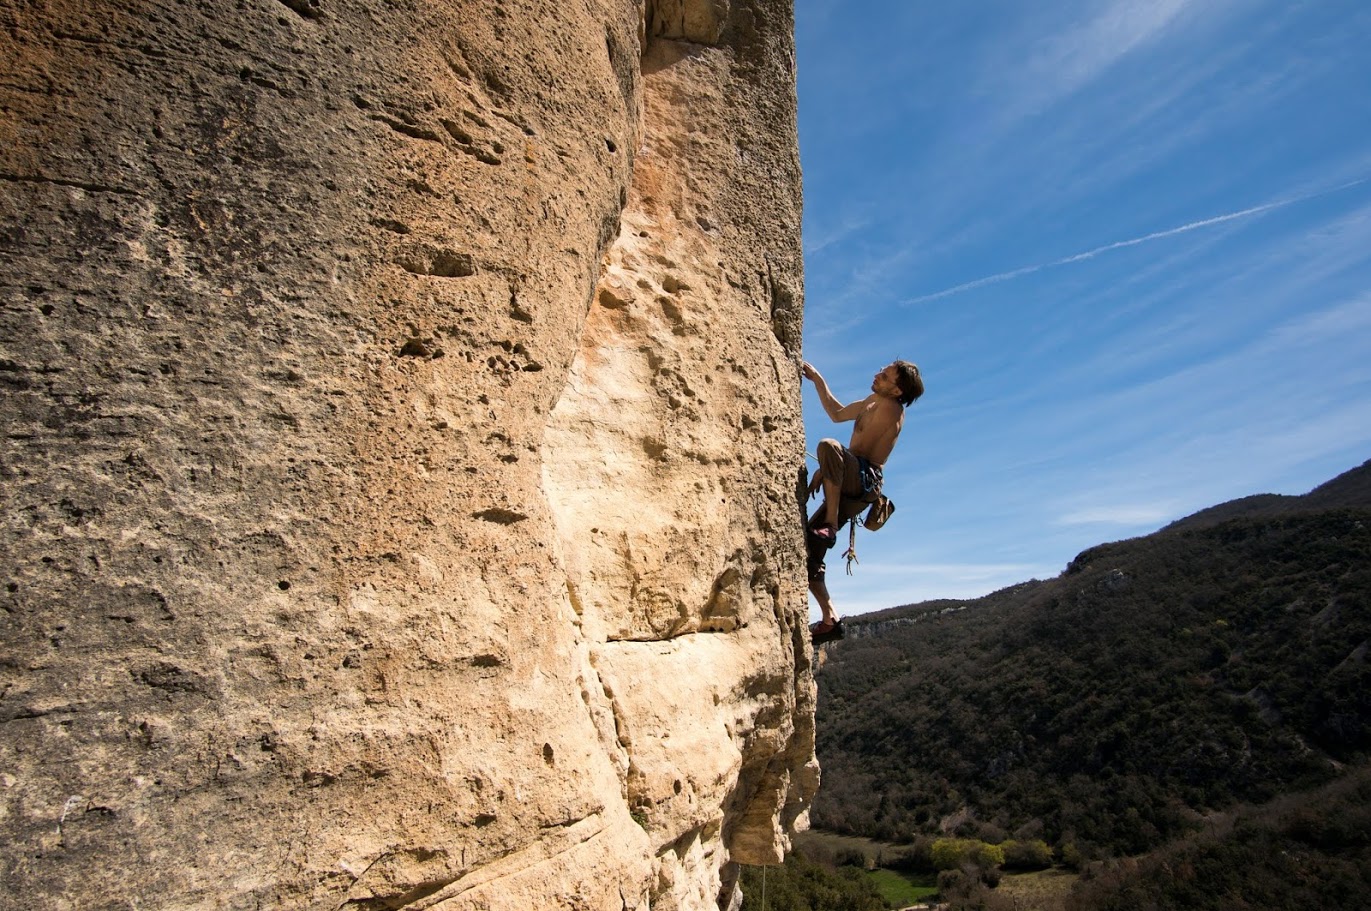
{"type": "Point", "coordinates": [837, 411]}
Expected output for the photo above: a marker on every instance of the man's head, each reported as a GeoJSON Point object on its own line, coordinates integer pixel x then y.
{"type": "Point", "coordinates": [900, 380]}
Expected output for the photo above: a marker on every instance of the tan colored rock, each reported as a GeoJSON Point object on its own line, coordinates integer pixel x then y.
{"type": "Point", "coordinates": [401, 446]}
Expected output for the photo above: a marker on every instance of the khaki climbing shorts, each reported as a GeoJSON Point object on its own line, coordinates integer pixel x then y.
{"type": "Point", "coordinates": [835, 461]}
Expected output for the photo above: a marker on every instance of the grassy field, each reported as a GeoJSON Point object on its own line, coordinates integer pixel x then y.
{"type": "Point", "coordinates": [1044, 890]}
{"type": "Point", "coordinates": [900, 890]}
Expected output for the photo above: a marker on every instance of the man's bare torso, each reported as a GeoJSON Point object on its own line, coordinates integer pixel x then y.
{"type": "Point", "coordinates": [877, 428]}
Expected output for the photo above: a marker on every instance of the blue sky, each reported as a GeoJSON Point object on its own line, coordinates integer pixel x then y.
{"type": "Point", "coordinates": [1128, 244]}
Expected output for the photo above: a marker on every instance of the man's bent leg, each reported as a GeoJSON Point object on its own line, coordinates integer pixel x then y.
{"type": "Point", "coordinates": [816, 551]}
{"type": "Point", "coordinates": [833, 498]}
{"type": "Point", "coordinates": [840, 475]}
{"type": "Point", "coordinates": [830, 627]}
{"type": "Point", "coordinates": [820, 591]}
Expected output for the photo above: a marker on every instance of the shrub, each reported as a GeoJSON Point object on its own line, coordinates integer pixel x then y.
{"type": "Point", "coordinates": [800, 885]}
{"type": "Point", "coordinates": [952, 853]}
{"type": "Point", "coordinates": [1027, 855]}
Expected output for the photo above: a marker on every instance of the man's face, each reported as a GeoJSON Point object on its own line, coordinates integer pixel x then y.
{"type": "Point", "coordinates": [884, 383]}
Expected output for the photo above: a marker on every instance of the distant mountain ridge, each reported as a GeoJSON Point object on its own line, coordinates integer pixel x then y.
{"type": "Point", "coordinates": [1348, 490]}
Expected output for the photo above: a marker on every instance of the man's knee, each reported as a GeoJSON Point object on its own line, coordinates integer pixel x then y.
{"type": "Point", "coordinates": [830, 455]}
{"type": "Point", "coordinates": [814, 564]}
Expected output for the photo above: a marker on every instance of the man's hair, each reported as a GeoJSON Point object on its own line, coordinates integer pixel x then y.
{"type": "Point", "coordinates": [910, 383]}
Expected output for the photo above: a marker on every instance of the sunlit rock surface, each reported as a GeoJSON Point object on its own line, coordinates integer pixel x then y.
{"type": "Point", "coordinates": [401, 440]}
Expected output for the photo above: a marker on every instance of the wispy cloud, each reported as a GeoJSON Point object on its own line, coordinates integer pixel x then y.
{"type": "Point", "coordinates": [1131, 242]}
{"type": "Point", "coordinates": [1266, 412]}
{"type": "Point", "coordinates": [1078, 55]}
{"type": "Point", "coordinates": [1114, 125]}
{"type": "Point", "coordinates": [1187, 301]}
{"type": "Point", "coordinates": [1134, 516]}
{"type": "Point", "coordinates": [1237, 458]}
{"type": "Point", "coordinates": [1337, 321]}
{"type": "Point", "coordinates": [819, 239]}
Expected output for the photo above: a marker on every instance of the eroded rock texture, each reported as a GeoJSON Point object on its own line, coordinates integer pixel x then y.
{"type": "Point", "coordinates": [400, 441]}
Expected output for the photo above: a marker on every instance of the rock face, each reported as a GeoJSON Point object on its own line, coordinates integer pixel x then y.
{"type": "Point", "coordinates": [401, 442]}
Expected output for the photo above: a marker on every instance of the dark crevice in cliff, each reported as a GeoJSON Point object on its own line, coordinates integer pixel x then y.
{"type": "Point", "coordinates": [306, 9]}
{"type": "Point", "coordinates": [696, 21]}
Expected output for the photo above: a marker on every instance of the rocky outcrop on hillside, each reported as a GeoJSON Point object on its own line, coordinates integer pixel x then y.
{"type": "Point", "coordinates": [401, 442]}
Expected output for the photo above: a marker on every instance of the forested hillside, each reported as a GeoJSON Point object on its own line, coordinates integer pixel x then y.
{"type": "Point", "coordinates": [1156, 686]}
{"type": "Point", "coordinates": [1311, 850]}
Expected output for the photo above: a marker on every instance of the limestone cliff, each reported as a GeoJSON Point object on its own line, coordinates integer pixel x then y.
{"type": "Point", "coordinates": [401, 435]}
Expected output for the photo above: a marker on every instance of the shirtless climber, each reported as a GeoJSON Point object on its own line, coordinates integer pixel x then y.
{"type": "Point", "coordinates": [854, 473]}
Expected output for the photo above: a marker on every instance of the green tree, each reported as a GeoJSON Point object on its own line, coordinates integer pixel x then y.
{"type": "Point", "coordinates": [954, 853]}
{"type": "Point", "coordinates": [1033, 854]}
{"type": "Point", "coordinates": [801, 885]}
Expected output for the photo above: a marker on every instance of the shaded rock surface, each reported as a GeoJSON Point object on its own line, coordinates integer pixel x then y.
{"type": "Point", "coordinates": [401, 434]}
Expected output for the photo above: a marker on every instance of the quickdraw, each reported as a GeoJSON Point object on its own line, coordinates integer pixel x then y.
{"type": "Point", "coordinates": [850, 555]}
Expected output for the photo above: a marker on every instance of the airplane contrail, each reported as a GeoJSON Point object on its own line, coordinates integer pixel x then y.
{"type": "Point", "coordinates": [1156, 235]}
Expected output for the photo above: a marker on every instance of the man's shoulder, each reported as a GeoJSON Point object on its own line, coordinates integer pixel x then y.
{"type": "Point", "coordinates": [887, 406]}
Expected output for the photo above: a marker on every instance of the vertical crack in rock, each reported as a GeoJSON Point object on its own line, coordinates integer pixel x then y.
{"type": "Point", "coordinates": [675, 508]}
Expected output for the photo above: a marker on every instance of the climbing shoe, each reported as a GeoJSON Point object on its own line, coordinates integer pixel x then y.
{"type": "Point", "coordinates": [824, 631]}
